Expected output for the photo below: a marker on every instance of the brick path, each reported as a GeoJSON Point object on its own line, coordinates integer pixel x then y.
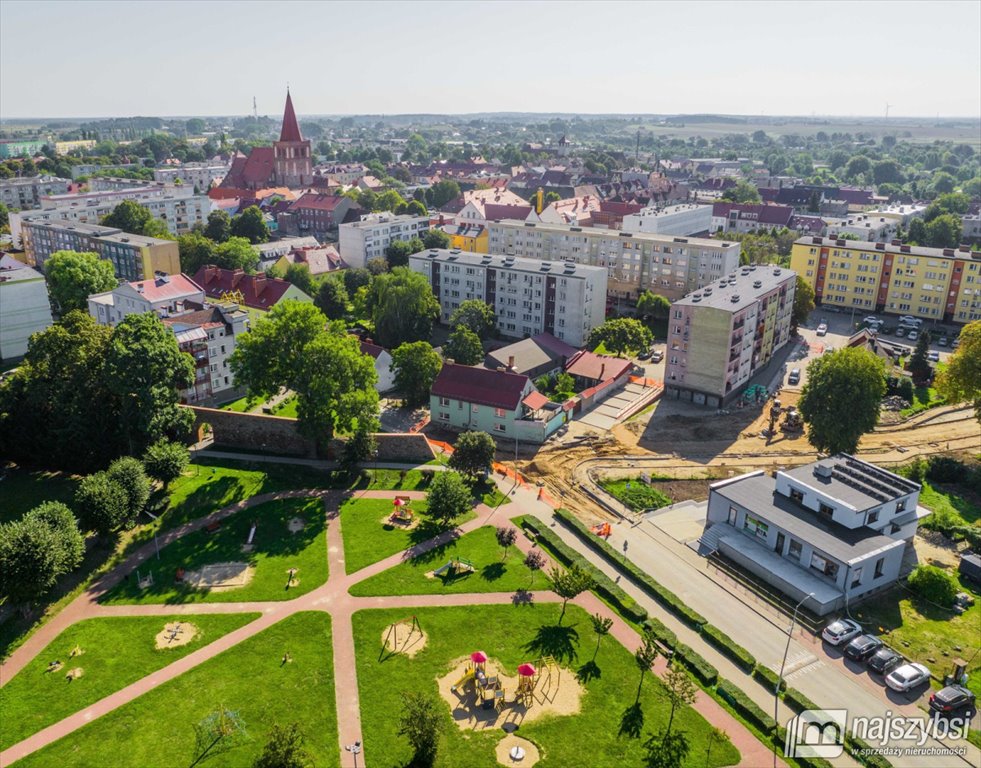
{"type": "Point", "coordinates": [332, 597]}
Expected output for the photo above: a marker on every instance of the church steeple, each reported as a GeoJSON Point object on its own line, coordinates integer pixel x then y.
{"type": "Point", "coordinates": [291, 129]}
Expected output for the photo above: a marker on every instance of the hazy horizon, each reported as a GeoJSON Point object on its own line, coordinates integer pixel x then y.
{"type": "Point", "coordinates": [755, 59]}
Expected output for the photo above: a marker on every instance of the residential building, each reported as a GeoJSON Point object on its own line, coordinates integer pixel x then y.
{"type": "Point", "coordinates": [383, 365]}
{"type": "Point", "coordinates": [316, 214]}
{"type": "Point", "coordinates": [361, 241]}
{"type": "Point", "coordinates": [589, 369]}
{"type": "Point", "coordinates": [67, 147]}
{"type": "Point", "coordinates": [256, 294]}
{"type": "Point", "coordinates": [197, 176]}
{"type": "Point", "coordinates": [864, 226]}
{"type": "Point", "coordinates": [635, 262]}
{"type": "Point", "coordinates": [343, 173]}
{"type": "Point", "coordinates": [971, 223]}
{"type": "Point", "coordinates": [533, 357]}
{"type": "Point", "coordinates": [528, 296]}
{"type": "Point", "coordinates": [24, 306]}
{"type": "Point", "coordinates": [271, 252]}
{"type": "Point", "coordinates": [133, 257]}
{"type": "Point", "coordinates": [836, 529]}
{"type": "Point", "coordinates": [471, 238]}
{"type": "Point", "coordinates": [745, 217]}
{"type": "Point", "coordinates": [902, 213]}
{"type": "Point", "coordinates": [685, 219]}
{"type": "Point", "coordinates": [722, 334]}
{"type": "Point", "coordinates": [26, 193]}
{"type": "Point", "coordinates": [319, 260]}
{"type": "Point", "coordinates": [471, 206]}
{"type": "Point", "coordinates": [573, 210]}
{"type": "Point", "coordinates": [209, 335]}
{"type": "Point", "coordinates": [505, 405]}
{"type": "Point", "coordinates": [165, 295]}
{"type": "Point", "coordinates": [21, 147]}
{"type": "Point", "coordinates": [940, 284]}
{"type": "Point", "coordinates": [87, 169]}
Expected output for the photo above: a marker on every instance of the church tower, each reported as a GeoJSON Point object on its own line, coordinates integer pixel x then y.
{"type": "Point", "coordinates": [293, 164]}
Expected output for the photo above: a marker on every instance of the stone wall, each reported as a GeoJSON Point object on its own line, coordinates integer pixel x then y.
{"type": "Point", "coordinates": [254, 431]}
{"type": "Point", "coordinates": [407, 448]}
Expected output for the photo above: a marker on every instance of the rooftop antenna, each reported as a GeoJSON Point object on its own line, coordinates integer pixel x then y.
{"type": "Point", "coordinates": [888, 107]}
{"type": "Point", "coordinates": [255, 110]}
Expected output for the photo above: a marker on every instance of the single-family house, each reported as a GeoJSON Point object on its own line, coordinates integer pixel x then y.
{"type": "Point", "coordinates": [533, 357]}
{"type": "Point", "coordinates": [383, 365]}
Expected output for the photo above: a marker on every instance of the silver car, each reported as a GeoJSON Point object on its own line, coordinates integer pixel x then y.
{"type": "Point", "coordinates": [841, 631]}
{"type": "Point", "coordinates": [907, 677]}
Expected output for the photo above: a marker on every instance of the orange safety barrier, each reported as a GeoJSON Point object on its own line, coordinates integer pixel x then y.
{"type": "Point", "coordinates": [444, 447]}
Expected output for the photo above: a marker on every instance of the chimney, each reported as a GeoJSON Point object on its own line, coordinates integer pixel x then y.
{"type": "Point", "coordinates": [237, 276]}
{"type": "Point", "coordinates": [510, 362]}
{"type": "Point", "coordinates": [259, 283]}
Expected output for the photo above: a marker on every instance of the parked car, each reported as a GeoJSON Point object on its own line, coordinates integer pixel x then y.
{"type": "Point", "coordinates": [953, 698]}
{"type": "Point", "coordinates": [933, 356]}
{"type": "Point", "coordinates": [657, 356]}
{"type": "Point", "coordinates": [913, 335]}
{"type": "Point", "coordinates": [822, 329]}
{"type": "Point", "coordinates": [884, 660]}
{"type": "Point", "coordinates": [910, 320]}
{"type": "Point", "coordinates": [644, 355]}
{"type": "Point", "coordinates": [955, 344]}
{"type": "Point", "coordinates": [901, 332]}
{"type": "Point", "coordinates": [907, 677]}
{"type": "Point", "coordinates": [794, 377]}
{"type": "Point", "coordinates": [872, 319]}
{"type": "Point", "coordinates": [942, 341]}
{"type": "Point", "coordinates": [863, 646]}
{"type": "Point", "coordinates": [840, 631]}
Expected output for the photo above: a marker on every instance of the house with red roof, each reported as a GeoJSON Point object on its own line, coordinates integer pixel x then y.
{"type": "Point", "coordinates": [164, 294]}
{"type": "Point", "coordinates": [317, 214]}
{"type": "Point", "coordinates": [383, 365]}
{"type": "Point", "coordinates": [589, 369]}
{"type": "Point", "coordinates": [257, 294]}
{"type": "Point", "coordinates": [505, 405]}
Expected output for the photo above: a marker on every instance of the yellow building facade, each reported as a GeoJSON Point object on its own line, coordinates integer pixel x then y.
{"type": "Point", "coordinates": [471, 238]}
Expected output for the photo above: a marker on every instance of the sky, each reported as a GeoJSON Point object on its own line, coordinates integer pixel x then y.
{"type": "Point", "coordinates": [141, 57]}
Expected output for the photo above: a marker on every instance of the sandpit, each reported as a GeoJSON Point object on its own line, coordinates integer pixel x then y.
{"type": "Point", "coordinates": [558, 693]}
{"type": "Point", "coordinates": [296, 525]}
{"type": "Point", "coordinates": [509, 742]}
{"type": "Point", "coordinates": [405, 638]}
{"type": "Point", "coordinates": [175, 634]}
{"type": "Point", "coordinates": [220, 576]}
{"type": "Point", "coordinates": [402, 525]}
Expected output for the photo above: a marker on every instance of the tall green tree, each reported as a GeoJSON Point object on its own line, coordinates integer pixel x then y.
{"type": "Point", "coordinates": [645, 656]}
{"type": "Point", "coordinates": [219, 226]}
{"type": "Point", "coordinates": [601, 628]}
{"type": "Point", "coordinates": [135, 219]}
{"type": "Point", "coordinates": [435, 238]}
{"type": "Point", "coordinates": [196, 251]}
{"type": "Point", "coordinates": [235, 253]}
{"type": "Point", "coordinates": [680, 689]}
{"type": "Point", "coordinates": [473, 453]}
{"type": "Point", "coordinates": [399, 251]}
{"type": "Point", "coordinates": [37, 550]}
{"type": "Point", "coordinates": [803, 302]}
{"type": "Point", "coordinates": [251, 225]}
{"type": "Point", "coordinates": [403, 307]}
{"type": "Point", "coordinates": [102, 504]}
{"type": "Point", "coordinates": [356, 277]}
{"type": "Point", "coordinates": [166, 460]}
{"type": "Point", "coordinates": [919, 365]}
{"type": "Point", "coordinates": [440, 193]}
{"type": "Point", "coordinates": [299, 275]}
{"type": "Point", "coordinates": [653, 306]}
{"type": "Point", "coordinates": [416, 366]}
{"type": "Point", "coordinates": [331, 298]}
{"type": "Point", "coordinates": [448, 498]}
{"type": "Point", "coordinates": [131, 476]}
{"type": "Point", "coordinates": [621, 336]}
{"type": "Point", "coordinates": [944, 231]}
{"type": "Point", "coordinates": [960, 382]}
{"type": "Point", "coordinates": [4, 216]}
{"type": "Point", "coordinates": [743, 192]}
{"type": "Point", "coordinates": [476, 315]}
{"type": "Point", "coordinates": [73, 276]}
{"type": "Point", "coordinates": [421, 723]}
{"type": "Point", "coordinates": [841, 399]}
{"type": "Point", "coordinates": [464, 347]}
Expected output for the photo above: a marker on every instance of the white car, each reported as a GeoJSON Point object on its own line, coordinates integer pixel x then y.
{"type": "Point", "coordinates": [913, 335]}
{"type": "Point", "coordinates": [822, 330]}
{"type": "Point", "coordinates": [907, 677]}
{"type": "Point", "coordinates": [933, 356]}
{"type": "Point", "coordinates": [910, 320]}
{"type": "Point", "coordinates": [841, 631]}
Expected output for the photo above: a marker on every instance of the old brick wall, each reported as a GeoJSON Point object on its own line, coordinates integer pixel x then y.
{"type": "Point", "coordinates": [255, 431]}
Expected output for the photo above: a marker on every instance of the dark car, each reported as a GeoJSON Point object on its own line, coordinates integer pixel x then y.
{"type": "Point", "coordinates": [884, 660]}
{"type": "Point", "coordinates": [953, 698]}
{"type": "Point", "coordinates": [862, 647]}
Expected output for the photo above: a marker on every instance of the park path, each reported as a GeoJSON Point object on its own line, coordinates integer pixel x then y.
{"type": "Point", "coordinates": [332, 597]}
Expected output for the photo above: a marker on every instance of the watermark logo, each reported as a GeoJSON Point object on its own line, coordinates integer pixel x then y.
{"type": "Point", "coordinates": [816, 733]}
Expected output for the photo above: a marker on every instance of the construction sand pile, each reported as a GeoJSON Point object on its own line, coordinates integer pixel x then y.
{"type": "Point", "coordinates": [405, 638]}
{"type": "Point", "coordinates": [175, 634]}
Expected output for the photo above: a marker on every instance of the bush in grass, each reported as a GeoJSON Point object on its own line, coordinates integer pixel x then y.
{"type": "Point", "coordinates": [102, 504]}
{"type": "Point", "coordinates": [449, 497]}
{"type": "Point", "coordinates": [729, 647]}
{"type": "Point", "coordinates": [130, 475]}
{"type": "Point", "coordinates": [862, 751]}
{"type": "Point", "coordinates": [768, 677]}
{"type": "Point", "coordinates": [696, 663]}
{"type": "Point", "coordinates": [934, 584]}
{"type": "Point", "coordinates": [165, 460]}
{"type": "Point", "coordinates": [663, 635]}
{"type": "Point", "coordinates": [746, 706]}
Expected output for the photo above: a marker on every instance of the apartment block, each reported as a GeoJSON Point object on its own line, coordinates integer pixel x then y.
{"type": "Point", "coordinates": [722, 334]}
{"type": "Point", "coordinates": [194, 176]}
{"type": "Point", "coordinates": [940, 284]}
{"type": "Point", "coordinates": [24, 306]}
{"type": "Point", "coordinates": [26, 193]}
{"type": "Point", "coordinates": [367, 239]}
{"type": "Point", "coordinates": [635, 262]}
{"type": "Point", "coordinates": [528, 296]}
{"type": "Point", "coordinates": [134, 257]}
{"type": "Point", "coordinates": [684, 220]}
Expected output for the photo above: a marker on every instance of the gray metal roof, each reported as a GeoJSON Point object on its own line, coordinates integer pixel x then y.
{"type": "Point", "coordinates": [758, 495]}
{"type": "Point", "coordinates": [855, 482]}
{"type": "Point", "coordinates": [740, 289]}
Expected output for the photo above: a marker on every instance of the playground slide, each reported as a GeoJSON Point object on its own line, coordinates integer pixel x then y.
{"type": "Point", "coordinates": [442, 569]}
{"type": "Point", "coordinates": [467, 676]}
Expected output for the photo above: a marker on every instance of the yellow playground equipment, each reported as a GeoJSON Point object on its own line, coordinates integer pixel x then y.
{"type": "Point", "coordinates": [466, 678]}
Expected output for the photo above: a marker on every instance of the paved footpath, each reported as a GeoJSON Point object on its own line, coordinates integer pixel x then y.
{"type": "Point", "coordinates": [333, 598]}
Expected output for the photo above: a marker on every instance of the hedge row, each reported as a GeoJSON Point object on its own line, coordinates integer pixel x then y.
{"type": "Point", "coordinates": [661, 633]}
{"type": "Point", "coordinates": [697, 664]}
{"type": "Point", "coordinates": [729, 647]}
{"type": "Point", "coordinates": [666, 597]}
{"type": "Point", "coordinates": [798, 700]}
{"type": "Point", "coordinates": [746, 706]}
{"type": "Point", "coordinates": [603, 584]}
{"type": "Point", "coordinates": [856, 746]}
{"type": "Point", "coordinates": [768, 677]}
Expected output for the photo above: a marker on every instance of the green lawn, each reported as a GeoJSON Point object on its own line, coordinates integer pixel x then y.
{"type": "Point", "coordinates": [925, 397]}
{"type": "Point", "coordinates": [493, 573]}
{"type": "Point", "coordinates": [157, 729]}
{"type": "Point", "coordinates": [115, 653]}
{"type": "Point", "coordinates": [276, 551]}
{"type": "Point", "coordinates": [948, 504]}
{"type": "Point", "coordinates": [394, 479]}
{"type": "Point", "coordinates": [512, 635]}
{"type": "Point", "coordinates": [639, 496]}
{"type": "Point", "coordinates": [287, 408]}
{"type": "Point", "coordinates": [21, 491]}
{"type": "Point", "coordinates": [241, 405]}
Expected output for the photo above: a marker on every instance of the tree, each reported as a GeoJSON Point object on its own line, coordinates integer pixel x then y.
{"type": "Point", "coordinates": [840, 401]}
{"type": "Point", "coordinates": [299, 275]}
{"type": "Point", "coordinates": [165, 461]}
{"type": "Point", "coordinates": [251, 225]}
{"type": "Point", "coordinates": [645, 656]}
{"type": "Point", "coordinates": [331, 298]}
{"type": "Point", "coordinates": [506, 535]}
{"type": "Point", "coordinates": [743, 192]}
{"type": "Point", "coordinates": [887, 172]}
{"type": "Point", "coordinates": [235, 253]}
{"type": "Point", "coordinates": [449, 497]}
{"type": "Point", "coordinates": [102, 504]}
{"type": "Point", "coordinates": [416, 367]}
{"type": "Point", "coordinates": [145, 372]}
{"type": "Point", "coordinates": [399, 251]}
{"type": "Point", "coordinates": [130, 475]}
{"type": "Point", "coordinates": [355, 278]}
{"type": "Point", "coordinates": [403, 307]}
{"type": "Point", "coordinates": [919, 365]}
{"type": "Point", "coordinates": [37, 550]}
{"type": "Point", "coordinates": [680, 689]}
{"type": "Point", "coordinates": [284, 749]}
{"type": "Point", "coordinates": [961, 381]}
{"type": "Point", "coordinates": [473, 453]}
{"type": "Point", "coordinates": [476, 315]}
{"type": "Point", "coordinates": [944, 231]}
{"type": "Point", "coordinates": [653, 306]}
{"type": "Point", "coordinates": [377, 265]}
{"type": "Point", "coordinates": [421, 722]}
{"type": "Point", "coordinates": [135, 219]}
{"type": "Point", "coordinates": [803, 302]}
{"type": "Point", "coordinates": [856, 166]}
{"type": "Point", "coordinates": [621, 335]}
{"type": "Point", "coordinates": [534, 562]}
{"type": "Point", "coordinates": [219, 226]}
{"type": "Point", "coordinates": [361, 446]}
{"type": "Point", "coordinates": [601, 627]}
{"type": "Point", "coordinates": [435, 238]}
{"type": "Point", "coordinates": [569, 583]}
{"type": "Point", "coordinates": [464, 347]}
{"type": "Point", "coordinates": [666, 751]}
{"type": "Point", "coordinates": [440, 193]}
{"type": "Point", "coordinates": [74, 276]}
{"type": "Point", "coordinates": [4, 216]}
{"type": "Point", "coordinates": [196, 251]}
{"type": "Point", "coordinates": [934, 584]}
{"type": "Point", "coordinates": [217, 732]}
{"type": "Point", "coordinates": [194, 126]}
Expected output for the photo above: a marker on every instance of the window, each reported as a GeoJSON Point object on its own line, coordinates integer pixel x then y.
{"type": "Point", "coordinates": [443, 416]}
{"type": "Point", "coordinates": [756, 527]}
{"type": "Point", "coordinates": [444, 401]}
{"type": "Point", "coordinates": [873, 516]}
{"type": "Point", "coordinates": [901, 505]}
{"type": "Point", "coordinates": [856, 577]}
{"type": "Point", "coordinates": [878, 567]}
{"type": "Point", "coordinates": [499, 412]}
{"type": "Point", "coordinates": [499, 428]}
{"type": "Point", "coordinates": [826, 567]}
{"type": "Point", "coordinates": [474, 408]}
{"type": "Point", "coordinates": [826, 510]}
{"type": "Point", "coordinates": [895, 528]}
{"type": "Point", "coordinates": [794, 550]}
{"type": "Point", "coordinates": [797, 496]}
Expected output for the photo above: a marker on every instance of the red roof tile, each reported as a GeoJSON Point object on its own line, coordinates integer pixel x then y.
{"type": "Point", "coordinates": [535, 400]}
{"type": "Point", "coordinates": [318, 201]}
{"type": "Point", "coordinates": [498, 389]}
{"type": "Point", "coordinates": [589, 365]}
{"type": "Point", "coordinates": [291, 129]}
{"type": "Point", "coordinates": [374, 350]}
{"type": "Point", "coordinates": [166, 288]}
{"type": "Point", "coordinates": [495, 211]}
{"type": "Point", "coordinates": [258, 291]}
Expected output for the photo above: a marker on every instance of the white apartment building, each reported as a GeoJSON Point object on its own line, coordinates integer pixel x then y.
{"type": "Point", "coordinates": [867, 227]}
{"type": "Point", "coordinates": [367, 239]}
{"type": "Point", "coordinates": [722, 334]}
{"type": "Point", "coordinates": [166, 295]}
{"type": "Point", "coordinates": [24, 306]}
{"type": "Point", "coordinates": [193, 176]}
{"type": "Point", "coordinates": [26, 193]}
{"type": "Point", "coordinates": [634, 261]}
{"type": "Point", "coordinates": [528, 296]}
{"type": "Point", "coordinates": [684, 219]}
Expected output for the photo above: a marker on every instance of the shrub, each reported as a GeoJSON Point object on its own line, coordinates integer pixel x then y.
{"type": "Point", "coordinates": [661, 633]}
{"type": "Point", "coordinates": [944, 469]}
{"type": "Point", "coordinates": [861, 750]}
{"type": "Point", "coordinates": [696, 663]}
{"type": "Point", "coordinates": [165, 460]}
{"type": "Point", "coordinates": [729, 647]}
{"type": "Point", "coordinates": [934, 584]}
{"type": "Point", "coordinates": [129, 474]}
{"type": "Point", "coordinates": [639, 496]}
{"type": "Point", "coordinates": [798, 700]}
{"type": "Point", "coordinates": [746, 706]}
{"type": "Point", "coordinates": [768, 677]}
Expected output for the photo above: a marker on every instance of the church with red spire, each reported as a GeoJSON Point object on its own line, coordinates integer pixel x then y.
{"type": "Point", "coordinates": [287, 163]}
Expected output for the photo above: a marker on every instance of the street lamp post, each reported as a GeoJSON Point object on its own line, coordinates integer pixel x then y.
{"type": "Point", "coordinates": [354, 749]}
{"type": "Point", "coordinates": [156, 546]}
{"type": "Point", "coordinates": [786, 650]}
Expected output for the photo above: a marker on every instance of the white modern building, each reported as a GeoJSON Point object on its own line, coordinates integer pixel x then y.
{"type": "Point", "coordinates": [165, 294]}
{"type": "Point", "coordinates": [24, 306]}
{"type": "Point", "coordinates": [685, 219]}
{"type": "Point", "coordinates": [867, 227]}
{"type": "Point", "coordinates": [528, 296]}
{"type": "Point", "coordinates": [367, 239]}
{"type": "Point", "coordinates": [26, 193]}
{"type": "Point", "coordinates": [634, 261]}
{"type": "Point", "coordinates": [193, 176]}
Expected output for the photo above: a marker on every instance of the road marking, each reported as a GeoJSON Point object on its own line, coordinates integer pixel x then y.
{"type": "Point", "coordinates": [805, 670]}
